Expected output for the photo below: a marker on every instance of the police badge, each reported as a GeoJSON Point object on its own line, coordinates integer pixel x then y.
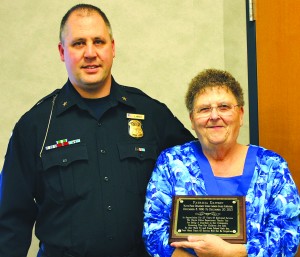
{"type": "Point", "coordinates": [135, 128]}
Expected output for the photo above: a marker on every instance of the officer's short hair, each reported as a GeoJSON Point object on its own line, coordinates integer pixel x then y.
{"type": "Point", "coordinates": [87, 8]}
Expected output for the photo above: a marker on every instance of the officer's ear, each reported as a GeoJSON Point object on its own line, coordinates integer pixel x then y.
{"type": "Point", "coordinates": [61, 51]}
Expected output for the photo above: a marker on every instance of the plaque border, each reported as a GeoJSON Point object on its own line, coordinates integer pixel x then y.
{"type": "Point", "coordinates": [239, 238]}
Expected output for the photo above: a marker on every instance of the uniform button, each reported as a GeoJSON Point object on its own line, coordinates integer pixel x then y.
{"type": "Point", "coordinates": [109, 208]}
{"type": "Point", "coordinates": [99, 124]}
{"type": "Point", "coordinates": [102, 151]}
{"type": "Point", "coordinates": [65, 160]}
{"type": "Point", "coordinates": [106, 178]}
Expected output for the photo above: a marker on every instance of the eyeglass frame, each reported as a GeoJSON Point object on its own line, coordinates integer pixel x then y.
{"type": "Point", "coordinates": [217, 108]}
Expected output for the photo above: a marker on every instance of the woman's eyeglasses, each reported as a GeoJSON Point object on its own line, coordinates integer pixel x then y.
{"type": "Point", "coordinates": [222, 110]}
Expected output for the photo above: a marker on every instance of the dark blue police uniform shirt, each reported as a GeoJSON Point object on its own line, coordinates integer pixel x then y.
{"type": "Point", "coordinates": [87, 196]}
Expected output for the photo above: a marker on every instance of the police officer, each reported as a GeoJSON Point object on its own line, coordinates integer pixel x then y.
{"type": "Point", "coordinates": [78, 162]}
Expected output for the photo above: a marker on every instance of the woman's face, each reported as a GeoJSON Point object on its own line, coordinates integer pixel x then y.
{"type": "Point", "coordinates": [219, 125]}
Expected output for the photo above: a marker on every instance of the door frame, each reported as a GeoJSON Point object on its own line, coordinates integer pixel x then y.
{"type": "Point", "coordinates": [252, 77]}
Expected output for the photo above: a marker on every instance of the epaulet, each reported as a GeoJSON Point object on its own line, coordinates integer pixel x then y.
{"type": "Point", "coordinates": [55, 92]}
{"type": "Point", "coordinates": [135, 90]}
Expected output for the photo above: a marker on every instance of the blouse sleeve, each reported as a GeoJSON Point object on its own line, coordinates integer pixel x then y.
{"type": "Point", "coordinates": [157, 211]}
{"type": "Point", "coordinates": [273, 222]}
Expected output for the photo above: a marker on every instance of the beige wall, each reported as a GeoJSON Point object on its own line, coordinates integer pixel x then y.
{"type": "Point", "coordinates": [160, 46]}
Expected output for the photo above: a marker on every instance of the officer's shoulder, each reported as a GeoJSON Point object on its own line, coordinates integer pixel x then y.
{"type": "Point", "coordinates": [134, 90]}
{"type": "Point", "coordinates": [139, 93]}
{"type": "Point", "coordinates": [38, 111]}
{"type": "Point", "coordinates": [46, 98]}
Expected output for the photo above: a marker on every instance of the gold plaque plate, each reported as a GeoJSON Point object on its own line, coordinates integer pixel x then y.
{"type": "Point", "coordinates": [224, 216]}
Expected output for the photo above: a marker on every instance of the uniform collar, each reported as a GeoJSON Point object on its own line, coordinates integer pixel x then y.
{"type": "Point", "coordinates": [119, 93]}
{"type": "Point", "coordinates": [68, 97]}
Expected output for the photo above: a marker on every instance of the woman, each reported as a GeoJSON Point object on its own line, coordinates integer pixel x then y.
{"type": "Point", "coordinates": [216, 164]}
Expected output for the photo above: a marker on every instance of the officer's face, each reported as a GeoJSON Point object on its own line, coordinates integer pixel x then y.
{"type": "Point", "coordinates": [88, 51]}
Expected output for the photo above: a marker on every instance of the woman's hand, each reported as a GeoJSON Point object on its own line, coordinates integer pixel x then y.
{"type": "Point", "coordinates": [212, 246]}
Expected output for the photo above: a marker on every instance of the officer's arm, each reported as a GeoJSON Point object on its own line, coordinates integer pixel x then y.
{"type": "Point", "coordinates": [17, 206]}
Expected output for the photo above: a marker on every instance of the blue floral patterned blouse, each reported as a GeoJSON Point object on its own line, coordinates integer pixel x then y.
{"type": "Point", "coordinates": [272, 200]}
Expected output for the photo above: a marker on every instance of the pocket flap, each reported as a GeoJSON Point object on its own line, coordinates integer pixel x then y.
{"type": "Point", "coordinates": [64, 156]}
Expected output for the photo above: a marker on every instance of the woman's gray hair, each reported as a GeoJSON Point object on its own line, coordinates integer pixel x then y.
{"type": "Point", "coordinates": [212, 78]}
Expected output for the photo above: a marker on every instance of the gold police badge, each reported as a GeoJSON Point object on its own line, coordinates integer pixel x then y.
{"type": "Point", "coordinates": [135, 128]}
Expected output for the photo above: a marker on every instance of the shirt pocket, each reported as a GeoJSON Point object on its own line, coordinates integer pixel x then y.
{"type": "Point", "coordinates": [65, 173]}
{"type": "Point", "coordinates": [137, 162]}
